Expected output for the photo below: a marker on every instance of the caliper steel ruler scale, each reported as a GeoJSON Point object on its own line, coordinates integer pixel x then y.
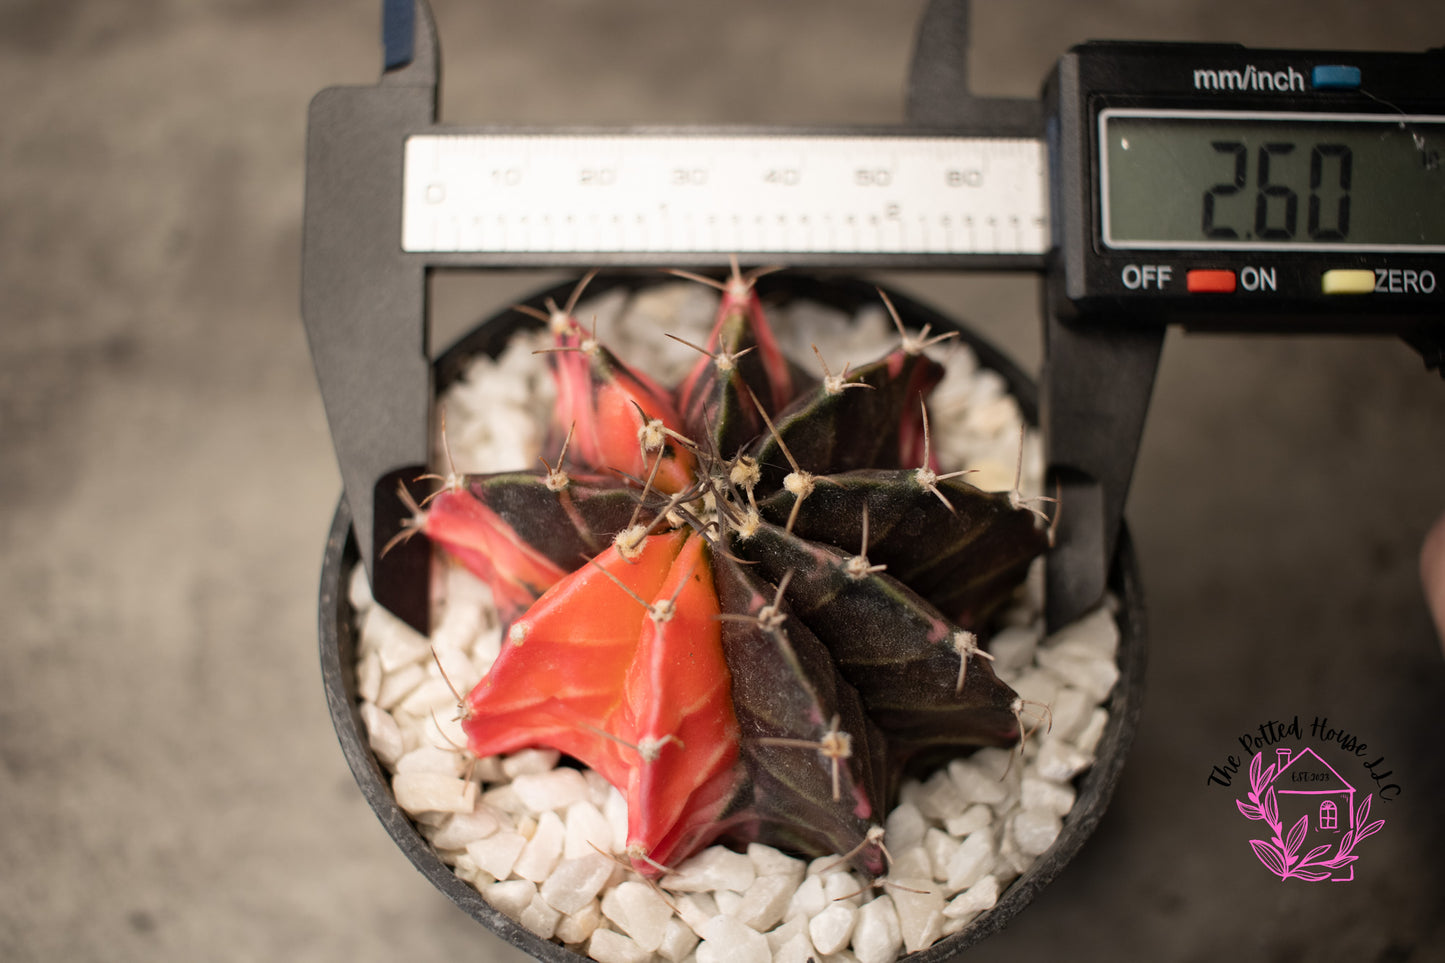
{"type": "Point", "coordinates": [1214, 186]}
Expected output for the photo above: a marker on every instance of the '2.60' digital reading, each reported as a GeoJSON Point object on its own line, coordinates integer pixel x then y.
{"type": "Point", "coordinates": [1189, 180]}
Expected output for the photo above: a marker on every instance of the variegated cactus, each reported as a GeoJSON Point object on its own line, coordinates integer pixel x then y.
{"type": "Point", "coordinates": [750, 603]}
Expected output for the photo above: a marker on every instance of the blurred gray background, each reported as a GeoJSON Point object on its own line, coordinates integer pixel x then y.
{"type": "Point", "coordinates": [170, 787]}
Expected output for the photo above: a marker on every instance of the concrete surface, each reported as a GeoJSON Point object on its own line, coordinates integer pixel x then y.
{"type": "Point", "coordinates": [170, 788]}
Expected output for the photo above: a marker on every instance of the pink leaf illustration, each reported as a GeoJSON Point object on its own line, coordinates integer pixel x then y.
{"type": "Point", "coordinates": [1370, 830]}
{"type": "Point", "coordinates": [1250, 812]}
{"type": "Point", "coordinates": [1363, 812]}
{"type": "Point", "coordinates": [1296, 836]}
{"type": "Point", "coordinates": [1313, 875]}
{"type": "Point", "coordinates": [1271, 807]}
{"type": "Point", "coordinates": [1269, 856]}
{"type": "Point", "coordinates": [1315, 853]}
{"type": "Point", "coordinates": [1256, 766]}
{"type": "Point", "coordinates": [1339, 861]}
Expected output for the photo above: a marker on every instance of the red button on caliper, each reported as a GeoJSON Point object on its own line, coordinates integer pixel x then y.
{"type": "Point", "coordinates": [1217, 282]}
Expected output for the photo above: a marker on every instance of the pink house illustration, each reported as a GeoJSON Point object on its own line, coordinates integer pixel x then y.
{"type": "Point", "coordinates": [1307, 786]}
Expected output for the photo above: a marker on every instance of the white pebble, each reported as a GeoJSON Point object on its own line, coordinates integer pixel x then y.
{"type": "Point", "coordinates": [974, 818]}
{"type": "Point", "coordinates": [397, 685]}
{"type": "Point", "coordinates": [678, 940]}
{"type": "Point", "coordinates": [1089, 736]}
{"type": "Point", "coordinates": [715, 868]}
{"type": "Point", "coordinates": [358, 590]}
{"type": "Point", "coordinates": [554, 789]}
{"type": "Point", "coordinates": [639, 911]}
{"type": "Point", "coordinates": [695, 909]}
{"type": "Point", "coordinates": [725, 940]}
{"type": "Point", "coordinates": [444, 730]}
{"type": "Point", "coordinates": [1013, 648]}
{"type": "Point", "coordinates": [877, 937]}
{"type": "Point", "coordinates": [505, 799]}
{"type": "Point", "coordinates": [368, 678]}
{"type": "Point", "coordinates": [419, 792]}
{"type": "Point", "coordinates": [796, 949]}
{"type": "Point", "coordinates": [1037, 686]}
{"type": "Point", "coordinates": [540, 918]}
{"type": "Point", "coordinates": [1058, 761]}
{"type": "Point", "coordinates": [464, 828]}
{"type": "Point", "coordinates": [913, 861]}
{"type": "Point", "coordinates": [971, 862]}
{"type": "Point", "coordinates": [530, 761]}
{"type": "Point", "coordinates": [904, 827]}
{"type": "Point", "coordinates": [428, 758]}
{"type": "Point", "coordinates": [382, 734]}
{"type": "Point", "coordinates": [598, 789]}
{"type": "Point", "coordinates": [432, 697]}
{"type": "Point", "coordinates": [728, 902]}
{"type": "Point", "coordinates": [486, 647]}
{"type": "Point", "coordinates": [397, 643]}
{"type": "Point", "coordinates": [765, 901]}
{"type": "Point", "coordinates": [1094, 674]}
{"type": "Point", "coordinates": [543, 851]}
{"type": "Point", "coordinates": [577, 927]}
{"type": "Point", "coordinates": [1069, 712]}
{"type": "Point", "coordinates": [940, 847]}
{"type": "Point", "coordinates": [977, 898]}
{"type": "Point", "coordinates": [919, 904]}
{"type": "Point", "coordinates": [785, 931]}
{"type": "Point", "coordinates": [1047, 796]}
{"type": "Point", "coordinates": [511, 897]}
{"type": "Point", "coordinates": [976, 784]}
{"type": "Point", "coordinates": [1096, 632]}
{"type": "Point", "coordinates": [450, 642]}
{"type": "Point", "coordinates": [615, 809]}
{"type": "Point", "coordinates": [842, 887]}
{"type": "Point", "coordinates": [768, 861]}
{"type": "Point", "coordinates": [498, 853]}
{"type": "Point", "coordinates": [466, 867]}
{"type": "Point", "coordinates": [576, 882]}
{"type": "Point", "coordinates": [1035, 830]}
{"type": "Point", "coordinates": [808, 900]}
{"type": "Point", "coordinates": [606, 946]}
{"type": "Point", "coordinates": [831, 929]}
{"type": "Point", "coordinates": [939, 797]}
{"type": "Point", "coordinates": [588, 832]}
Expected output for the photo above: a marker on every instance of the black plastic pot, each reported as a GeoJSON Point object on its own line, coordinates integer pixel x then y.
{"type": "Point", "coordinates": [338, 639]}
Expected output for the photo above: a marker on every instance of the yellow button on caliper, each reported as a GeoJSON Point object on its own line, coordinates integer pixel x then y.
{"type": "Point", "coordinates": [1348, 281]}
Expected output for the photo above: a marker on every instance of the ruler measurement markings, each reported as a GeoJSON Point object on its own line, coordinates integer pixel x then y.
{"type": "Point", "coordinates": [815, 194]}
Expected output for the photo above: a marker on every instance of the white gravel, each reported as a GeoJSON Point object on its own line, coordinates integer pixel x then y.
{"type": "Point", "coordinates": [532, 837]}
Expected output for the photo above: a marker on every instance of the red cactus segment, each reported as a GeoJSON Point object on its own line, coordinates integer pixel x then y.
{"type": "Point", "coordinates": [560, 678]}
{"type": "Point", "coordinates": [490, 548]}
{"type": "Point", "coordinates": [620, 665]}
{"type": "Point", "coordinates": [679, 704]}
{"type": "Point", "coordinates": [743, 362]}
{"type": "Point", "coordinates": [616, 416]}
{"type": "Point", "coordinates": [742, 324]}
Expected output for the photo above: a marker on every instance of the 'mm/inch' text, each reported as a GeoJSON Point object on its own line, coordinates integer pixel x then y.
{"type": "Point", "coordinates": [1250, 78]}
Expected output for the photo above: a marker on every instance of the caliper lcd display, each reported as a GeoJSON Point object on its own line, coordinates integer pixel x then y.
{"type": "Point", "coordinates": [1191, 180]}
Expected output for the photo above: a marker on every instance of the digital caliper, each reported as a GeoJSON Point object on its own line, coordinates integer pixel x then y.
{"type": "Point", "coordinates": [1213, 186]}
